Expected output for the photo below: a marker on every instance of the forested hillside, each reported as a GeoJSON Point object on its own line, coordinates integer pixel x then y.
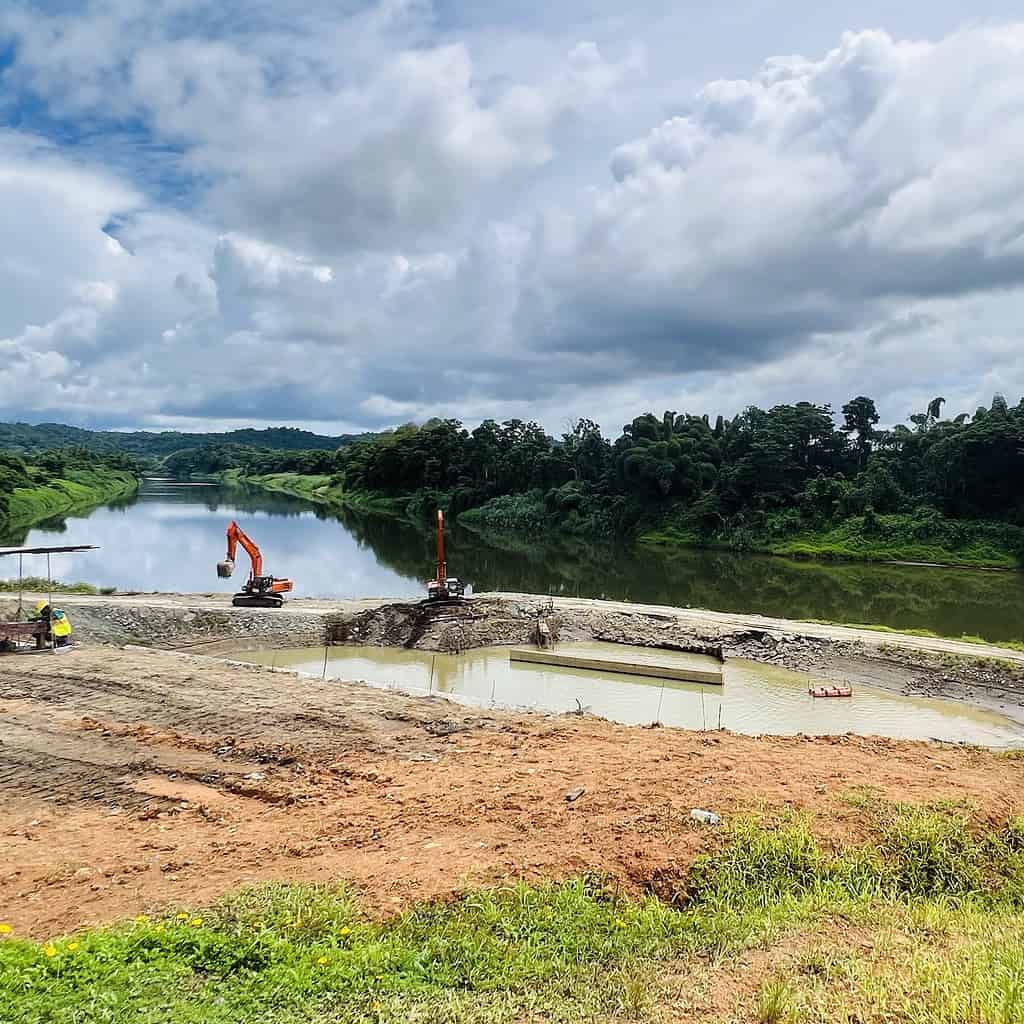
{"type": "Point", "coordinates": [794, 479]}
{"type": "Point", "coordinates": [26, 439]}
{"type": "Point", "coordinates": [55, 482]}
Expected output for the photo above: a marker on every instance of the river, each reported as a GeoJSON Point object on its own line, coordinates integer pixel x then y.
{"type": "Point", "coordinates": [170, 535]}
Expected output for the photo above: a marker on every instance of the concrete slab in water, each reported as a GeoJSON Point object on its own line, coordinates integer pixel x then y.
{"type": "Point", "coordinates": [635, 663]}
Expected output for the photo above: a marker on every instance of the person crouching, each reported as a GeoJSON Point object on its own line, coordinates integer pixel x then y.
{"type": "Point", "coordinates": [58, 625]}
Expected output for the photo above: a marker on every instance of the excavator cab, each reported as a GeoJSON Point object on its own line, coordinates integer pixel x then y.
{"type": "Point", "coordinates": [260, 590]}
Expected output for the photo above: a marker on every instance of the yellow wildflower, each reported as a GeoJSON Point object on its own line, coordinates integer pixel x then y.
{"type": "Point", "coordinates": [345, 931]}
{"type": "Point", "coordinates": [322, 961]}
{"type": "Point", "coordinates": [50, 950]}
{"type": "Point", "coordinates": [142, 919]}
{"type": "Point", "coordinates": [196, 922]}
{"type": "Point", "coordinates": [5, 929]}
{"type": "Point", "coordinates": [159, 928]}
{"type": "Point", "coordinates": [378, 1005]}
{"type": "Point", "coordinates": [619, 923]}
{"type": "Point", "coordinates": [182, 917]}
{"type": "Point", "coordinates": [72, 946]}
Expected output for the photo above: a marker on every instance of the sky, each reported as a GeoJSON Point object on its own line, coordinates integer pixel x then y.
{"type": "Point", "coordinates": [346, 216]}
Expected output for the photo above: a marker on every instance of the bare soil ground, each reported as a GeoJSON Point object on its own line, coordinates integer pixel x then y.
{"type": "Point", "coordinates": [132, 781]}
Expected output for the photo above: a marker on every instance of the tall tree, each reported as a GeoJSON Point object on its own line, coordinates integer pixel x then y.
{"type": "Point", "coordinates": [860, 417]}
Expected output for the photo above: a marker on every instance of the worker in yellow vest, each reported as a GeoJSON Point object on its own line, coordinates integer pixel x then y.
{"type": "Point", "coordinates": [58, 623]}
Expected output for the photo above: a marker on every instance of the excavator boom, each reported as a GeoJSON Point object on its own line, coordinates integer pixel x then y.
{"type": "Point", "coordinates": [443, 587]}
{"type": "Point", "coordinates": [236, 536]}
{"type": "Point", "coordinates": [442, 564]}
{"type": "Point", "coordinates": [260, 590]}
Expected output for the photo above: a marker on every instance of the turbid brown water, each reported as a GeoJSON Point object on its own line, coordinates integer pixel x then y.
{"type": "Point", "coordinates": [754, 699]}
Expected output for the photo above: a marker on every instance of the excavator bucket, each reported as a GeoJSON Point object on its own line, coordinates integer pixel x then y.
{"type": "Point", "coordinates": [225, 569]}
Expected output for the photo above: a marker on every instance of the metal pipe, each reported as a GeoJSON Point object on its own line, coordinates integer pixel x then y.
{"type": "Point", "coordinates": [49, 601]}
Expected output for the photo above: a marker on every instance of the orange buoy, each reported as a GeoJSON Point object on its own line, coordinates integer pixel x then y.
{"type": "Point", "coordinates": [830, 691]}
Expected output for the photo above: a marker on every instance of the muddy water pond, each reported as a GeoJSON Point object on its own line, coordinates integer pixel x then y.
{"type": "Point", "coordinates": [754, 699]}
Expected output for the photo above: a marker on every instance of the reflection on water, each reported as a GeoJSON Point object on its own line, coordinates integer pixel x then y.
{"type": "Point", "coordinates": [755, 699]}
{"type": "Point", "coordinates": [170, 536]}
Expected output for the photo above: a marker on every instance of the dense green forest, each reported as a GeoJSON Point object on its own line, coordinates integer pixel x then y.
{"type": "Point", "coordinates": [208, 459]}
{"type": "Point", "coordinates": [59, 481]}
{"type": "Point", "coordinates": [794, 479]}
{"type": "Point", "coordinates": [28, 439]}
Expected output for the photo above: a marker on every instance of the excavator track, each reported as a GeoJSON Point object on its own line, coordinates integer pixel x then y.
{"type": "Point", "coordinates": [256, 601]}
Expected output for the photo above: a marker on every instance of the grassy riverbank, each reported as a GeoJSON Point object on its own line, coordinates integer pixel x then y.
{"type": "Point", "coordinates": [78, 490]}
{"type": "Point", "coordinates": [921, 924]}
{"type": "Point", "coordinates": [927, 537]}
{"type": "Point", "coordinates": [923, 538]}
{"type": "Point", "coordinates": [319, 490]}
{"type": "Point", "coordinates": [40, 585]}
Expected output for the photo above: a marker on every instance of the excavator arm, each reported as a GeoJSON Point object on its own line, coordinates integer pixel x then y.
{"type": "Point", "coordinates": [260, 590]}
{"type": "Point", "coordinates": [236, 536]}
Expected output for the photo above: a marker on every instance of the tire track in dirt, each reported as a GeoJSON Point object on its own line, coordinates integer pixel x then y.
{"type": "Point", "coordinates": [132, 781]}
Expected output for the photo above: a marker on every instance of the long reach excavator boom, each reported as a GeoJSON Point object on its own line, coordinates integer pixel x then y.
{"type": "Point", "coordinates": [443, 587]}
{"type": "Point", "coordinates": [259, 591]}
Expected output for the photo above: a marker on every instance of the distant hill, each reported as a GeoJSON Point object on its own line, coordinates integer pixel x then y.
{"type": "Point", "coordinates": [27, 438]}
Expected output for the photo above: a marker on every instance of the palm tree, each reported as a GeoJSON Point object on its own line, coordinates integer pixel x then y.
{"type": "Point", "coordinates": [935, 409]}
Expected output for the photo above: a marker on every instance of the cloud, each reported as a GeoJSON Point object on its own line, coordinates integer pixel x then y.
{"type": "Point", "coordinates": [812, 198]}
{"type": "Point", "coordinates": [292, 146]}
{"type": "Point", "coordinates": [363, 218]}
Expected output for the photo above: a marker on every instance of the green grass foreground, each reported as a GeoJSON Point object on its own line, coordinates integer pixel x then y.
{"type": "Point", "coordinates": [578, 951]}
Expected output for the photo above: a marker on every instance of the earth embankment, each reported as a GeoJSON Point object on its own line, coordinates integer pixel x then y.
{"type": "Point", "coordinates": [136, 780]}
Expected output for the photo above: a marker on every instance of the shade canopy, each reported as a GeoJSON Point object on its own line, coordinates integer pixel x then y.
{"type": "Point", "coordinates": [49, 551]}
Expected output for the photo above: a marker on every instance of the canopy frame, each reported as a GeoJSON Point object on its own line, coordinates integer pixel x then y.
{"type": "Point", "coordinates": [58, 550]}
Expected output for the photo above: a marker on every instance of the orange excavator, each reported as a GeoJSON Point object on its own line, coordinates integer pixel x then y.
{"type": "Point", "coordinates": [443, 587]}
{"type": "Point", "coordinates": [259, 591]}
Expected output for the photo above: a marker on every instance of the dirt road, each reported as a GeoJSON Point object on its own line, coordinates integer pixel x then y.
{"type": "Point", "coordinates": [133, 781]}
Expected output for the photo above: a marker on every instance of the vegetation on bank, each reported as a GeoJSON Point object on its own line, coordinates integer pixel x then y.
{"type": "Point", "coordinates": [965, 638]}
{"type": "Point", "coordinates": [934, 902]}
{"type": "Point", "coordinates": [58, 482]}
{"type": "Point", "coordinates": [787, 481]}
{"type": "Point", "coordinates": [319, 489]}
{"type": "Point", "coordinates": [33, 439]}
{"type": "Point", "coordinates": [41, 585]}
{"type": "Point", "coordinates": [923, 536]}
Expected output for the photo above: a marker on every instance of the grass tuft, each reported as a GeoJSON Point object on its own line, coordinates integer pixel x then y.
{"type": "Point", "coordinates": [775, 1004]}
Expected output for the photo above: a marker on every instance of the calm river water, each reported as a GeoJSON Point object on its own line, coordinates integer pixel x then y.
{"type": "Point", "coordinates": [170, 536]}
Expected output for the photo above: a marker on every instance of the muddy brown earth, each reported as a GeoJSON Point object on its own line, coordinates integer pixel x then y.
{"type": "Point", "coordinates": [133, 781]}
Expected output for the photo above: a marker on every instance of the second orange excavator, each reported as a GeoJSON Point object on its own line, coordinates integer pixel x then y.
{"type": "Point", "coordinates": [443, 587]}
{"type": "Point", "coordinates": [259, 591]}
